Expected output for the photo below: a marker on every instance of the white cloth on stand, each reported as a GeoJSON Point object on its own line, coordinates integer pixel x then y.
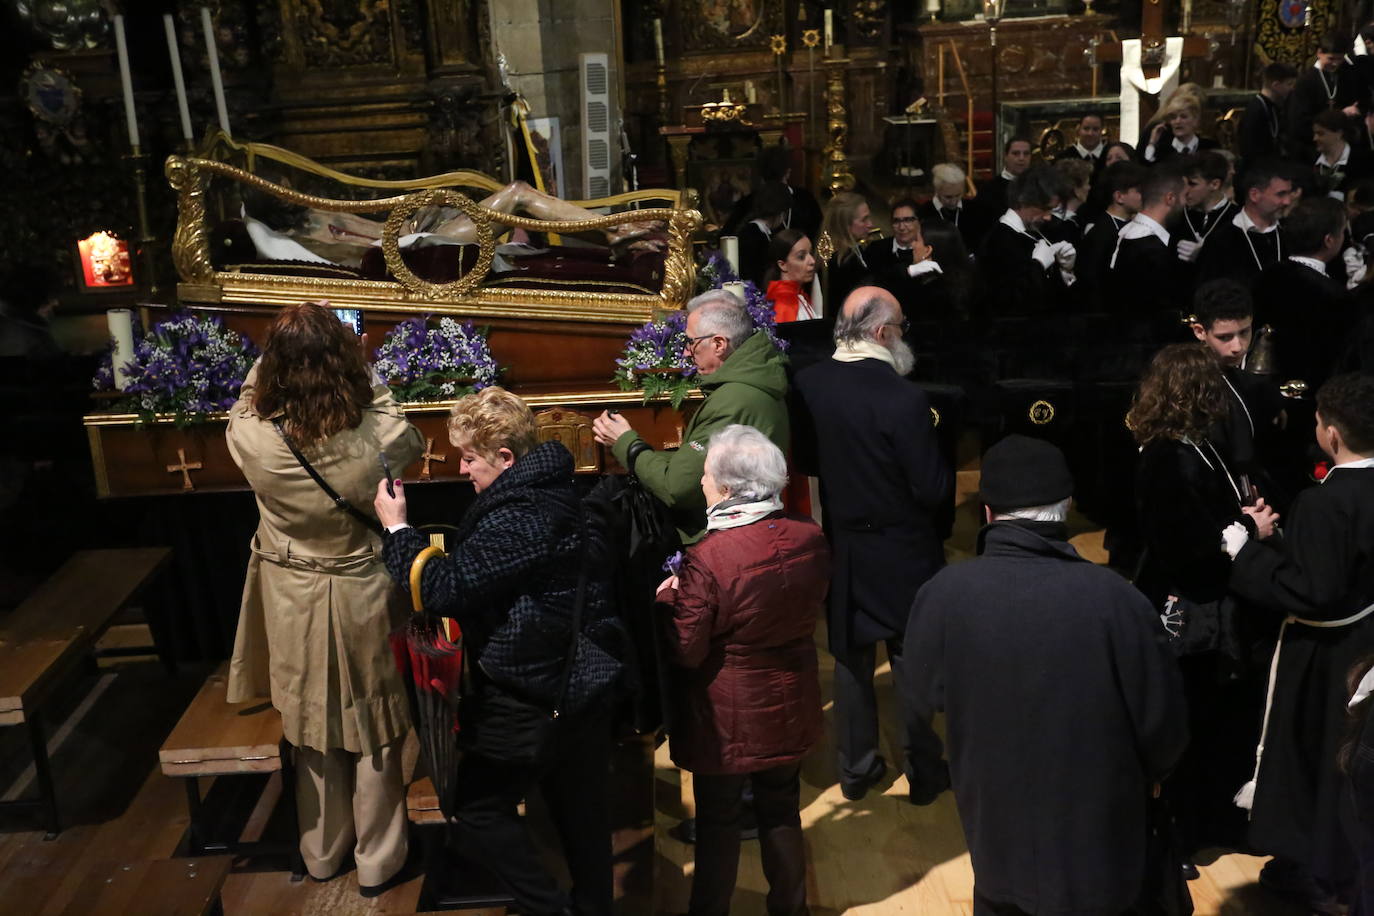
{"type": "Point", "coordinates": [1133, 82]}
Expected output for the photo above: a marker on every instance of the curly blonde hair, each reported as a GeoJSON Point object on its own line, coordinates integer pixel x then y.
{"type": "Point", "coordinates": [490, 420]}
{"type": "Point", "coordinates": [1182, 394]}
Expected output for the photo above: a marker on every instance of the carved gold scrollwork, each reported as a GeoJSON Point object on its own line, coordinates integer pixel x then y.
{"type": "Point", "coordinates": [190, 243]}
{"type": "Point", "coordinates": [437, 197]}
{"type": "Point", "coordinates": [679, 268]}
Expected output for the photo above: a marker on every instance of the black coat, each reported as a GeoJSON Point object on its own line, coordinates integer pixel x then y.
{"type": "Point", "coordinates": [1063, 704]}
{"type": "Point", "coordinates": [1094, 257]}
{"type": "Point", "coordinates": [1016, 283]}
{"type": "Point", "coordinates": [1361, 807]}
{"type": "Point", "coordinates": [882, 481]}
{"type": "Point", "coordinates": [1229, 254]}
{"type": "Point", "coordinates": [1144, 280]}
{"type": "Point", "coordinates": [1359, 166]}
{"type": "Point", "coordinates": [1165, 150]}
{"type": "Point", "coordinates": [753, 254]}
{"type": "Point", "coordinates": [881, 258]}
{"type": "Point", "coordinates": [992, 196]}
{"type": "Point", "coordinates": [1312, 319]}
{"type": "Point", "coordinates": [1324, 570]}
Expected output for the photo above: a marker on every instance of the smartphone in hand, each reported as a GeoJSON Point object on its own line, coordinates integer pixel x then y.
{"type": "Point", "coordinates": [386, 471]}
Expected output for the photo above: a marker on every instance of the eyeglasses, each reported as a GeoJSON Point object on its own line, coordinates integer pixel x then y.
{"type": "Point", "coordinates": [903, 219]}
{"type": "Point", "coordinates": [693, 341]}
{"type": "Point", "coordinates": [904, 324]}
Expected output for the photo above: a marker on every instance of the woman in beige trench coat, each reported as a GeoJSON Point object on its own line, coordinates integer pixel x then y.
{"type": "Point", "coordinates": [318, 604]}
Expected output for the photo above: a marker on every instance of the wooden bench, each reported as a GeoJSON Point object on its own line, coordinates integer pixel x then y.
{"type": "Point", "coordinates": [217, 738]}
{"type": "Point", "coordinates": [165, 887]}
{"type": "Point", "coordinates": [55, 628]}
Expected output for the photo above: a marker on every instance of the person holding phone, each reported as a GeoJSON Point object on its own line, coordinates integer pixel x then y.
{"type": "Point", "coordinates": [1186, 494]}
{"type": "Point", "coordinates": [318, 604]}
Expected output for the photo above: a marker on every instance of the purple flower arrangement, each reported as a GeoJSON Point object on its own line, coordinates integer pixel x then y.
{"type": "Point", "coordinates": [427, 360]}
{"type": "Point", "coordinates": [655, 358]}
{"type": "Point", "coordinates": [189, 365]}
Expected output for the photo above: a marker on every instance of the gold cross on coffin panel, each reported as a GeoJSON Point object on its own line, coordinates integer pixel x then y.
{"type": "Point", "coordinates": [429, 456]}
{"type": "Point", "coordinates": [185, 467]}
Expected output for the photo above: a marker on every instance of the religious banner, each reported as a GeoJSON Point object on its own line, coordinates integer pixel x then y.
{"type": "Point", "coordinates": [1134, 82]}
{"type": "Point", "coordinates": [1287, 30]}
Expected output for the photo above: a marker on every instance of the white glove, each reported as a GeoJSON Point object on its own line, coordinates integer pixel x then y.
{"type": "Point", "coordinates": [1233, 537]}
{"type": "Point", "coordinates": [1187, 251]}
{"type": "Point", "coordinates": [1043, 254]}
{"type": "Point", "coordinates": [1354, 266]}
{"type": "Point", "coordinates": [928, 266]}
{"type": "Point", "coordinates": [1065, 255]}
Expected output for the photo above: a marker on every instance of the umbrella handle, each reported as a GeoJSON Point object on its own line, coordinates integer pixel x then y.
{"type": "Point", "coordinates": [417, 567]}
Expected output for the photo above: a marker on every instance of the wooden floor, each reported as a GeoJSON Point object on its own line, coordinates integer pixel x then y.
{"type": "Point", "coordinates": [878, 856]}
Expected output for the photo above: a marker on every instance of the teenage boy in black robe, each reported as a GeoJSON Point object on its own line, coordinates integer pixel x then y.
{"type": "Point", "coordinates": [1322, 571]}
{"type": "Point", "coordinates": [1330, 84]}
{"type": "Point", "coordinates": [1142, 276]}
{"type": "Point", "coordinates": [1121, 182]}
{"type": "Point", "coordinates": [1251, 240]}
{"type": "Point", "coordinates": [1026, 273]}
{"type": "Point", "coordinates": [1264, 128]}
{"type": "Point", "coordinates": [1064, 707]}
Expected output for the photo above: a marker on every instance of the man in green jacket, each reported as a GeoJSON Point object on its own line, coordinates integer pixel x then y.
{"type": "Point", "coordinates": [742, 375]}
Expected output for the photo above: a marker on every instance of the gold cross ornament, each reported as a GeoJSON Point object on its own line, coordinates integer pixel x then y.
{"type": "Point", "coordinates": [429, 456]}
{"type": "Point", "coordinates": [185, 467]}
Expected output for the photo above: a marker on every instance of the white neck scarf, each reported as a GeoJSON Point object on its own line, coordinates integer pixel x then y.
{"type": "Point", "coordinates": [849, 352]}
{"type": "Point", "coordinates": [738, 511]}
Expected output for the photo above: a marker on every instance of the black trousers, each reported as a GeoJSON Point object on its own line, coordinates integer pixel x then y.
{"type": "Point", "coordinates": [856, 720]}
{"type": "Point", "coordinates": [777, 802]}
{"type": "Point", "coordinates": [573, 780]}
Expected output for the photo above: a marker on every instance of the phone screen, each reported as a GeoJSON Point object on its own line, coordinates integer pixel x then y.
{"type": "Point", "coordinates": [351, 317]}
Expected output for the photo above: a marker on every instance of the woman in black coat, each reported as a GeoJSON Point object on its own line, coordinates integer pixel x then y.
{"type": "Point", "coordinates": [510, 579]}
{"type": "Point", "coordinates": [1185, 495]}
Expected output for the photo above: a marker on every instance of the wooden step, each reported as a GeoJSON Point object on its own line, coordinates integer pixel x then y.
{"type": "Point", "coordinates": [219, 738]}
{"type": "Point", "coordinates": [164, 887]}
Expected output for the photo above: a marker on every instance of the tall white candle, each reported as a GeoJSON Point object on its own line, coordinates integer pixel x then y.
{"type": "Point", "coordinates": [212, 51]}
{"type": "Point", "coordinates": [121, 324]}
{"type": "Point", "coordinates": [729, 246]}
{"type": "Point", "coordinates": [658, 40]}
{"type": "Point", "coordinates": [829, 28]}
{"type": "Point", "coordinates": [750, 94]}
{"type": "Point", "coordinates": [126, 81]}
{"type": "Point", "coordinates": [175, 54]}
{"type": "Point", "coordinates": [736, 288]}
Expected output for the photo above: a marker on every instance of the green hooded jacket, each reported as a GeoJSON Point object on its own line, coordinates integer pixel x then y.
{"type": "Point", "coordinates": [748, 388]}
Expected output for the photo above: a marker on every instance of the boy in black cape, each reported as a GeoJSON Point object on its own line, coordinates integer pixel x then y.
{"type": "Point", "coordinates": [1321, 579]}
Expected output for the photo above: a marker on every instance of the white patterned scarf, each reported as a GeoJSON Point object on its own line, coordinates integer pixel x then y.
{"type": "Point", "coordinates": [738, 511]}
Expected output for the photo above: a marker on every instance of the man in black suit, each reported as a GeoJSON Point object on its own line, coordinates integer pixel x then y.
{"type": "Point", "coordinates": [1331, 84]}
{"type": "Point", "coordinates": [1016, 158]}
{"type": "Point", "coordinates": [1026, 273]}
{"type": "Point", "coordinates": [1142, 277]}
{"type": "Point", "coordinates": [949, 205]}
{"type": "Point", "coordinates": [1250, 241]}
{"type": "Point", "coordinates": [882, 480]}
{"type": "Point", "coordinates": [1264, 129]}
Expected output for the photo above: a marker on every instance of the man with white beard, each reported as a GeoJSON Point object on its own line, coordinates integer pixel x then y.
{"type": "Point", "coordinates": [882, 479]}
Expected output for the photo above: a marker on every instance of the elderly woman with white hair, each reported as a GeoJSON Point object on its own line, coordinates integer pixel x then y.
{"type": "Point", "coordinates": [744, 605]}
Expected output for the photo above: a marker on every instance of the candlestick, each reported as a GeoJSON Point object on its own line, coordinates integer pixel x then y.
{"type": "Point", "coordinates": [658, 40]}
{"type": "Point", "coordinates": [729, 246]}
{"type": "Point", "coordinates": [212, 51]}
{"type": "Point", "coordinates": [121, 325]}
{"type": "Point", "coordinates": [829, 30]}
{"type": "Point", "coordinates": [175, 54]}
{"type": "Point", "coordinates": [126, 82]}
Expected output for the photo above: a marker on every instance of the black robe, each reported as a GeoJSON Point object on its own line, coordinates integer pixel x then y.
{"type": "Point", "coordinates": [992, 196]}
{"type": "Point", "coordinates": [1312, 319]}
{"type": "Point", "coordinates": [1016, 283]}
{"type": "Point", "coordinates": [1196, 226]}
{"type": "Point", "coordinates": [1165, 150]}
{"type": "Point", "coordinates": [1229, 254]}
{"type": "Point", "coordinates": [1062, 704]}
{"type": "Point", "coordinates": [1323, 570]}
{"type": "Point", "coordinates": [1358, 167]}
{"type": "Point", "coordinates": [1263, 130]}
{"type": "Point", "coordinates": [1309, 97]}
{"type": "Point", "coordinates": [883, 478]}
{"type": "Point", "coordinates": [844, 275]}
{"type": "Point", "coordinates": [1144, 281]}
{"type": "Point", "coordinates": [1094, 258]}
{"type": "Point", "coordinates": [973, 219]}
{"type": "Point", "coordinates": [881, 258]}
{"type": "Point", "coordinates": [753, 254]}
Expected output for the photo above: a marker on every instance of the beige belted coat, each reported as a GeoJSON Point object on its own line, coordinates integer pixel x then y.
{"type": "Point", "coordinates": [318, 604]}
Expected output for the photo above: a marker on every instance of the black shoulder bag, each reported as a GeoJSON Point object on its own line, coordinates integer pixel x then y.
{"type": "Point", "coordinates": [367, 521]}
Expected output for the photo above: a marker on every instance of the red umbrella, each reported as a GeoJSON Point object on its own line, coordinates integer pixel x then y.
{"type": "Point", "coordinates": [429, 655]}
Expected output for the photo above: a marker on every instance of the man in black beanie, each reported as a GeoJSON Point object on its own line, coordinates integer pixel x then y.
{"type": "Point", "coordinates": [1064, 706]}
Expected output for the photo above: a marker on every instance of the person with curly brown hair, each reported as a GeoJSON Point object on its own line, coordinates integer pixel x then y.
{"type": "Point", "coordinates": [318, 604]}
{"type": "Point", "coordinates": [1186, 494]}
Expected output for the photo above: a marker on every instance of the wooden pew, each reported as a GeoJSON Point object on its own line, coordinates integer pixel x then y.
{"type": "Point", "coordinates": [47, 636]}
{"type": "Point", "coordinates": [217, 738]}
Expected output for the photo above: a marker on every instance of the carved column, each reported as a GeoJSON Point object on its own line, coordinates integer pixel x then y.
{"type": "Point", "coordinates": [838, 175]}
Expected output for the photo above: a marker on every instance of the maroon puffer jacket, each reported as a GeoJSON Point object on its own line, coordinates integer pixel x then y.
{"type": "Point", "coordinates": [746, 691]}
